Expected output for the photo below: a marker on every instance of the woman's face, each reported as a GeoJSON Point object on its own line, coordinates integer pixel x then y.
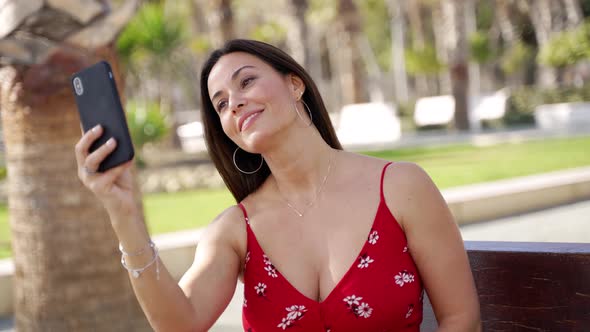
{"type": "Point", "coordinates": [254, 101]}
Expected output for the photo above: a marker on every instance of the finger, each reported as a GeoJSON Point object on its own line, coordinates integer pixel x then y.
{"type": "Point", "coordinates": [85, 142]}
{"type": "Point", "coordinates": [113, 174]}
{"type": "Point", "coordinates": [95, 158]}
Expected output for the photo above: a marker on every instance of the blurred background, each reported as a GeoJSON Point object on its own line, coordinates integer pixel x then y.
{"type": "Point", "coordinates": [491, 98]}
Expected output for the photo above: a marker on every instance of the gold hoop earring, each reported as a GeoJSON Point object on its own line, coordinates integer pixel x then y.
{"type": "Point", "coordinates": [246, 172]}
{"type": "Point", "coordinates": [308, 111]}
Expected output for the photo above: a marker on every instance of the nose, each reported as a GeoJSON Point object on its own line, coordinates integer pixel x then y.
{"type": "Point", "coordinates": [236, 104]}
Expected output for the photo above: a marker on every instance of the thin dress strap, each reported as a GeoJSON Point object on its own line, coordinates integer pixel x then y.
{"type": "Point", "coordinates": [245, 213]}
{"type": "Point", "coordinates": [382, 177]}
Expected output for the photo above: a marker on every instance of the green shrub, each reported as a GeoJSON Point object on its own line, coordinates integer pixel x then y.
{"type": "Point", "coordinates": [524, 100]}
{"type": "Point", "coordinates": [481, 49]}
{"type": "Point", "coordinates": [146, 123]}
{"type": "Point", "coordinates": [567, 48]}
{"type": "Point", "coordinates": [515, 58]}
{"type": "Point", "coordinates": [423, 61]}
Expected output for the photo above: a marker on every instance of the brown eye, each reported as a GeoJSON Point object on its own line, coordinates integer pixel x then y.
{"type": "Point", "coordinates": [247, 81]}
{"type": "Point", "coordinates": [221, 105]}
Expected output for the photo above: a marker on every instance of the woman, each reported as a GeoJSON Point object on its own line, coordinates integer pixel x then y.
{"type": "Point", "coordinates": [323, 239]}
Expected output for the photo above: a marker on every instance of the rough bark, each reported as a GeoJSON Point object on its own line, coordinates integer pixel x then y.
{"type": "Point", "coordinates": [67, 271]}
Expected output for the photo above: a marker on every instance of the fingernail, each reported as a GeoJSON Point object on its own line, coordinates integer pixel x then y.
{"type": "Point", "coordinates": [96, 128]}
{"type": "Point", "coordinates": [111, 141]}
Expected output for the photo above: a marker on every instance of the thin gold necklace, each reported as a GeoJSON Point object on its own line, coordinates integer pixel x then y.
{"type": "Point", "coordinates": [317, 194]}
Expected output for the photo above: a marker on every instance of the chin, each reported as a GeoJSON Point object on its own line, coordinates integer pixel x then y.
{"type": "Point", "coordinates": [258, 141]}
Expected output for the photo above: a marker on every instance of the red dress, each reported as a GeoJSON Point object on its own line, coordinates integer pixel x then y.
{"type": "Point", "coordinates": [380, 292]}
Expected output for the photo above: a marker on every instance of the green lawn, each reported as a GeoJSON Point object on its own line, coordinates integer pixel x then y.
{"type": "Point", "coordinates": [448, 166]}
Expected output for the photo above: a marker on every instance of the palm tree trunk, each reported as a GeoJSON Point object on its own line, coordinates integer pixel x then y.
{"type": "Point", "coordinates": [67, 271]}
{"type": "Point", "coordinates": [454, 13]}
{"type": "Point", "coordinates": [221, 21]}
{"type": "Point", "coordinates": [573, 12]}
{"type": "Point", "coordinates": [354, 76]}
{"type": "Point", "coordinates": [299, 37]}
{"type": "Point", "coordinates": [398, 61]}
{"type": "Point", "coordinates": [438, 20]}
{"type": "Point", "coordinates": [541, 17]}
{"type": "Point", "coordinates": [413, 9]}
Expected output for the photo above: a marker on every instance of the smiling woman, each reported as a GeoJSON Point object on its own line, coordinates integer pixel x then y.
{"type": "Point", "coordinates": [323, 239]}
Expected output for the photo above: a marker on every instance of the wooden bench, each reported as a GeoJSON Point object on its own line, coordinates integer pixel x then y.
{"type": "Point", "coordinates": [368, 124]}
{"type": "Point", "coordinates": [440, 110]}
{"type": "Point", "coordinates": [563, 115]}
{"type": "Point", "coordinates": [528, 286]}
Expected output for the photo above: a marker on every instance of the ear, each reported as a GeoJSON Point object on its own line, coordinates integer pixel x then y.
{"type": "Point", "coordinates": [297, 86]}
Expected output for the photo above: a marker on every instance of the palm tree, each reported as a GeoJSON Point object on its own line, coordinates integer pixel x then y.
{"type": "Point", "coordinates": [67, 273]}
{"type": "Point", "coordinates": [397, 50]}
{"type": "Point", "coordinates": [299, 37]}
{"type": "Point", "coordinates": [455, 27]}
{"type": "Point", "coordinates": [353, 75]}
{"type": "Point", "coordinates": [543, 23]}
{"type": "Point", "coordinates": [221, 20]}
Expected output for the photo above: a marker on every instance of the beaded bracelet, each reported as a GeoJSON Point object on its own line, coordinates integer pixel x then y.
{"type": "Point", "coordinates": [137, 253]}
{"type": "Point", "coordinates": [136, 272]}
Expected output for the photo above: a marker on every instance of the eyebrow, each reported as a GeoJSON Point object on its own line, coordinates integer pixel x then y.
{"type": "Point", "coordinates": [233, 77]}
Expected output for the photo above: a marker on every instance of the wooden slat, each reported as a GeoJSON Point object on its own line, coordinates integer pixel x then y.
{"type": "Point", "coordinates": [529, 286]}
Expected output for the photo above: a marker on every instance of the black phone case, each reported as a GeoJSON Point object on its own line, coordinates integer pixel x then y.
{"type": "Point", "coordinates": [99, 103]}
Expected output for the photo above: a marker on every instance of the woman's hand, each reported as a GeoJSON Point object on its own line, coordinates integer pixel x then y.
{"type": "Point", "coordinates": [113, 187]}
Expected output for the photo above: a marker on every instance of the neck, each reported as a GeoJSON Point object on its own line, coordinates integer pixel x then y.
{"type": "Point", "coordinates": [299, 166]}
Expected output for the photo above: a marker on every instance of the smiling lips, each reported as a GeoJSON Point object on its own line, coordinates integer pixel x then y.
{"type": "Point", "coordinates": [247, 119]}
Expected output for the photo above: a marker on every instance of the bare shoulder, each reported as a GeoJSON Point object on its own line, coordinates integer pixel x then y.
{"type": "Point", "coordinates": [408, 189]}
{"type": "Point", "coordinates": [228, 228]}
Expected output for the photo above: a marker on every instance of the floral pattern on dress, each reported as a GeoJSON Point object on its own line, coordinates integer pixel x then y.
{"type": "Point", "coordinates": [247, 259]}
{"type": "Point", "coordinates": [358, 308]}
{"type": "Point", "coordinates": [410, 310]}
{"type": "Point", "coordinates": [269, 267]}
{"type": "Point", "coordinates": [364, 261]}
{"type": "Point", "coordinates": [294, 313]}
{"type": "Point", "coordinates": [260, 289]}
{"type": "Point", "coordinates": [404, 277]}
{"type": "Point", "coordinates": [373, 237]}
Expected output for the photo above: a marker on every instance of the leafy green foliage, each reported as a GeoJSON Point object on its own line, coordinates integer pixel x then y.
{"type": "Point", "coordinates": [524, 100]}
{"type": "Point", "coordinates": [481, 49]}
{"type": "Point", "coordinates": [515, 57]}
{"type": "Point", "coordinates": [146, 123]}
{"type": "Point", "coordinates": [376, 26]}
{"type": "Point", "coordinates": [423, 61]}
{"type": "Point", "coordinates": [269, 32]}
{"type": "Point", "coordinates": [567, 48]}
{"type": "Point", "coordinates": [150, 34]}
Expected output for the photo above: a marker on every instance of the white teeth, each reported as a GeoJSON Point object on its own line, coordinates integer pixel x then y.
{"type": "Point", "coordinates": [248, 119]}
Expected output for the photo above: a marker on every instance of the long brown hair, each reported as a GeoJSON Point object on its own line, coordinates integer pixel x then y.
{"type": "Point", "coordinates": [221, 148]}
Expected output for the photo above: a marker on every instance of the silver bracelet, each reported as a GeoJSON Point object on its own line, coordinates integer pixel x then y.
{"type": "Point", "coordinates": [150, 245]}
{"type": "Point", "coordinates": [136, 273]}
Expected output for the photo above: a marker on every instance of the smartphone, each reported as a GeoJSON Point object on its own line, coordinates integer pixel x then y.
{"type": "Point", "coordinates": [98, 102]}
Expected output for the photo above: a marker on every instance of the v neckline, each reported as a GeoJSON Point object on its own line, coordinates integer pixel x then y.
{"type": "Point", "coordinates": [349, 271]}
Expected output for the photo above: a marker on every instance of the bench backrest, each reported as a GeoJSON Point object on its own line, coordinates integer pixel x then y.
{"type": "Point", "coordinates": [527, 286]}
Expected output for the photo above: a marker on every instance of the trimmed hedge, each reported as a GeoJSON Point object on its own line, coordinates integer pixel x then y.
{"type": "Point", "coordinates": [524, 100]}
